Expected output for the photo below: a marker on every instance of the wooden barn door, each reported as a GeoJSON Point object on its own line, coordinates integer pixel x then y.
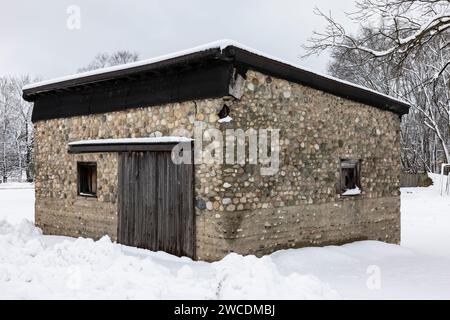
{"type": "Point", "coordinates": [156, 209]}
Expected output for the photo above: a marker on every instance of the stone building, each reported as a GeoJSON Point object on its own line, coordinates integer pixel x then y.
{"type": "Point", "coordinates": [104, 141]}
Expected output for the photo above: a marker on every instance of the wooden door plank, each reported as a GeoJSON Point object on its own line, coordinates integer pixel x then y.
{"type": "Point", "coordinates": [155, 202]}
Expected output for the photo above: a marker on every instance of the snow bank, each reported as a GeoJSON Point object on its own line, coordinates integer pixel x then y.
{"type": "Point", "coordinates": [16, 202]}
{"type": "Point", "coordinates": [33, 266]}
{"type": "Point", "coordinates": [426, 219]}
{"type": "Point", "coordinates": [145, 140]}
{"type": "Point", "coordinates": [241, 277]}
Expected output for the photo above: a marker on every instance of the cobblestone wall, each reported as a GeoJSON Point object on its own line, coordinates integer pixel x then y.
{"type": "Point", "coordinates": [59, 209]}
{"type": "Point", "coordinates": [238, 209]}
{"type": "Point", "coordinates": [299, 206]}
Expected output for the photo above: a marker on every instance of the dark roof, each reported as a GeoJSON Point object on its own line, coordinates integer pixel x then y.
{"type": "Point", "coordinates": [202, 72]}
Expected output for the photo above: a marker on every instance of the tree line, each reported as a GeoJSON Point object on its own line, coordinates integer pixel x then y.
{"type": "Point", "coordinates": [16, 130]}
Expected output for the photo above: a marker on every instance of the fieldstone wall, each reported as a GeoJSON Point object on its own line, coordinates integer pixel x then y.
{"type": "Point", "coordinates": [238, 209]}
{"type": "Point", "coordinates": [301, 205]}
{"type": "Point", "coordinates": [59, 210]}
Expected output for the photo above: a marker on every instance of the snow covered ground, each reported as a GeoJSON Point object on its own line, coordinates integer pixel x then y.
{"type": "Point", "coordinates": [16, 202]}
{"type": "Point", "coordinates": [426, 220]}
{"type": "Point", "coordinates": [49, 267]}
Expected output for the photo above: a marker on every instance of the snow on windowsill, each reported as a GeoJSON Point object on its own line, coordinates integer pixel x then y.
{"type": "Point", "coordinates": [87, 195]}
{"type": "Point", "coordinates": [227, 119]}
{"type": "Point", "coordinates": [352, 192]}
{"type": "Point", "coordinates": [149, 140]}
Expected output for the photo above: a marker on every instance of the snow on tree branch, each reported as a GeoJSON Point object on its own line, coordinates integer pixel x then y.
{"type": "Point", "coordinates": [403, 26]}
{"type": "Point", "coordinates": [401, 48]}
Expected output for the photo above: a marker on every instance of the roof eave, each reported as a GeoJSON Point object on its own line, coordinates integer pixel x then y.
{"type": "Point", "coordinates": [241, 58]}
{"type": "Point", "coordinates": [31, 94]}
{"type": "Point", "coordinates": [314, 80]}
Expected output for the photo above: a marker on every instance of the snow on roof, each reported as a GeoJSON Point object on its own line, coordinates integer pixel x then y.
{"type": "Point", "coordinates": [220, 44]}
{"type": "Point", "coordinates": [149, 140]}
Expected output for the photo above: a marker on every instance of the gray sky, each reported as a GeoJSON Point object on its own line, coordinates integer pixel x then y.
{"type": "Point", "coordinates": [35, 38]}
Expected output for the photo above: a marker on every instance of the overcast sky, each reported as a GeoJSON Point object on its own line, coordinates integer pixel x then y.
{"type": "Point", "coordinates": [35, 38]}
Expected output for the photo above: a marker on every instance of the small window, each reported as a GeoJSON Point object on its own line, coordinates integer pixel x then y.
{"type": "Point", "coordinates": [350, 177]}
{"type": "Point", "coordinates": [87, 179]}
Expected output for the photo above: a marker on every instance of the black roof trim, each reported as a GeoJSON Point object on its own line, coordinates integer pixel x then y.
{"type": "Point", "coordinates": [31, 94]}
{"type": "Point", "coordinates": [339, 88]}
{"type": "Point", "coordinates": [241, 59]}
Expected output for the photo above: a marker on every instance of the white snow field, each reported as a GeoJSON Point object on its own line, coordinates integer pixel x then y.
{"type": "Point", "coordinates": [16, 202]}
{"type": "Point", "coordinates": [33, 266]}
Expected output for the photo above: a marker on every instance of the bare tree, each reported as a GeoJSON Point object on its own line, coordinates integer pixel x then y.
{"type": "Point", "coordinates": [103, 60]}
{"type": "Point", "coordinates": [430, 99]}
{"type": "Point", "coordinates": [6, 104]}
{"type": "Point", "coordinates": [122, 57]}
{"type": "Point", "coordinates": [402, 49]}
{"type": "Point", "coordinates": [404, 26]}
{"type": "Point", "coordinates": [24, 126]}
{"type": "Point", "coordinates": [16, 130]}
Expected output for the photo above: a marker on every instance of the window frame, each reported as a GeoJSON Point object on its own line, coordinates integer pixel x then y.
{"type": "Point", "coordinates": [354, 164]}
{"type": "Point", "coordinates": [80, 167]}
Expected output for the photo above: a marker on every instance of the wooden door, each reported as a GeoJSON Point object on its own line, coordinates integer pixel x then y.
{"type": "Point", "coordinates": [156, 209]}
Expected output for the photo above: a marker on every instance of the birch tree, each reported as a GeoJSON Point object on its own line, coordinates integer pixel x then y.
{"type": "Point", "coordinates": [24, 127]}
{"type": "Point", "coordinates": [6, 102]}
{"type": "Point", "coordinates": [16, 130]}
